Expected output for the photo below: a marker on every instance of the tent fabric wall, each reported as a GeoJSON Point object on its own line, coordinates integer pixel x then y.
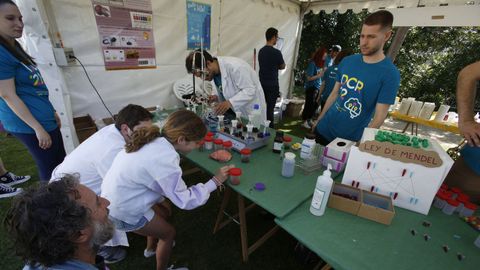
{"type": "Point", "coordinates": [237, 27]}
{"type": "Point", "coordinates": [37, 43]}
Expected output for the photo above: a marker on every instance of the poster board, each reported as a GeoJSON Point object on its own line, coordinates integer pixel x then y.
{"type": "Point", "coordinates": [125, 29]}
{"type": "Point", "coordinates": [198, 25]}
{"type": "Point", "coordinates": [411, 176]}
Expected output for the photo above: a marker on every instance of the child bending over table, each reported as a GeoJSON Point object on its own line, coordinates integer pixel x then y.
{"type": "Point", "coordinates": [147, 171]}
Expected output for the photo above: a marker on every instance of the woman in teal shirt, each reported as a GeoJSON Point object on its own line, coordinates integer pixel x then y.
{"type": "Point", "coordinates": [313, 81]}
{"type": "Point", "coordinates": [25, 110]}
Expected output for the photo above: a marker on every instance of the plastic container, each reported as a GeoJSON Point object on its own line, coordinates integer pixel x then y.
{"type": "Point", "coordinates": [287, 142]}
{"type": "Point", "coordinates": [221, 125]}
{"type": "Point", "coordinates": [227, 145]}
{"type": "Point", "coordinates": [210, 134]}
{"type": "Point", "coordinates": [235, 174]}
{"type": "Point", "coordinates": [450, 206]}
{"type": "Point", "coordinates": [288, 165]}
{"type": "Point", "coordinates": [321, 193]}
{"type": "Point", "coordinates": [462, 199]}
{"type": "Point", "coordinates": [308, 147]}
{"type": "Point", "coordinates": [440, 200]}
{"type": "Point", "coordinates": [217, 144]}
{"type": "Point", "coordinates": [455, 191]}
{"type": "Point", "coordinates": [468, 209]}
{"type": "Point", "coordinates": [245, 155]}
{"type": "Point", "coordinates": [278, 142]}
{"type": "Point", "coordinates": [208, 143]}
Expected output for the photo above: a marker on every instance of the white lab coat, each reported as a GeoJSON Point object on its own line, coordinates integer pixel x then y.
{"type": "Point", "coordinates": [91, 160]}
{"type": "Point", "coordinates": [241, 86]}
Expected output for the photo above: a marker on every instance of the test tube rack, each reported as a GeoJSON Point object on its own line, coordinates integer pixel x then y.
{"type": "Point", "coordinates": [239, 143]}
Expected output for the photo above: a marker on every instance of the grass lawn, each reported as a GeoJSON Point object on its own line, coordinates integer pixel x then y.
{"type": "Point", "coordinates": [196, 246]}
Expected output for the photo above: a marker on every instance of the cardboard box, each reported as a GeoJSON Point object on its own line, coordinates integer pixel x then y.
{"type": "Point", "coordinates": [362, 203]}
{"type": "Point", "coordinates": [345, 198]}
{"type": "Point", "coordinates": [376, 207]}
{"type": "Point", "coordinates": [85, 127]}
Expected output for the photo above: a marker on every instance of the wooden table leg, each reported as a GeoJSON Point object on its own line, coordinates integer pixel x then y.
{"type": "Point", "coordinates": [243, 227]}
{"type": "Point", "coordinates": [223, 206]}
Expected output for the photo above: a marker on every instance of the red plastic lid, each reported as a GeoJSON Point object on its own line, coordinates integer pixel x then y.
{"type": "Point", "coordinates": [235, 171]}
{"type": "Point", "coordinates": [463, 195]}
{"type": "Point", "coordinates": [209, 139]}
{"type": "Point", "coordinates": [448, 194]}
{"type": "Point", "coordinates": [227, 144]}
{"type": "Point", "coordinates": [470, 206]}
{"type": "Point", "coordinates": [444, 186]}
{"type": "Point", "coordinates": [443, 196]}
{"type": "Point", "coordinates": [287, 139]}
{"type": "Point", "coordinates": [218, 141]}
{"type": "Point", "coordinates": [246, 151]}
{"type": "Point", "coordinates": [456, 190]}
{"type": "Point", "coordinates": [453, 202]}
{"type": "Point", "coordinates": [210, 134]}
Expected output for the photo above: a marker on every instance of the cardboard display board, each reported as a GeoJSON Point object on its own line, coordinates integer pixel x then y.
{"type": "Point", "coordinates": [411, 176]}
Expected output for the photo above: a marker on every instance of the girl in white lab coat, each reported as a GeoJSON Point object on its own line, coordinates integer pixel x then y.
{"type": "Point", "coordinates": [147, 171]}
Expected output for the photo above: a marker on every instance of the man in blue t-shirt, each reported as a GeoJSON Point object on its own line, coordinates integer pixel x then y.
{"type": "Point", "coordinates": [465, 172]}
{"type": "Point", "coordinates": [270, 61]}
{"type": "Point", "coordinates": [329, 79]}
{"type": "Point", "coordinates": [367, 84]}
{"type": "Point", "coordinates": [330, 59]}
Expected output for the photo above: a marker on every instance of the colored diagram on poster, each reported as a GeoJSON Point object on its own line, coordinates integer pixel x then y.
{"type": "Point", "coordinates": [198, 25]}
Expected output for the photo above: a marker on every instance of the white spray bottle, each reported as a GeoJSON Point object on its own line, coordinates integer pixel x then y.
{"type": "Point", "coordinates": [322, 192]}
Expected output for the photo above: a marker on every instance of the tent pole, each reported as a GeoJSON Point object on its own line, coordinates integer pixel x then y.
{"type": "Point", "coordinates": [303, 9]}
{"type": "Point", "coordinates": [397, 42]}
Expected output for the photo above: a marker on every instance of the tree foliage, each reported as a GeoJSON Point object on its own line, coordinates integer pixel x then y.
{"type": "Point", "coordinates": [429, 59]}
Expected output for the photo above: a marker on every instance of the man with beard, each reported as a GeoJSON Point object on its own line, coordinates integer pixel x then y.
{"type": "Point", "coordinates": [366, 86]}
{"type": "Point", "coordinates": [59, 226]}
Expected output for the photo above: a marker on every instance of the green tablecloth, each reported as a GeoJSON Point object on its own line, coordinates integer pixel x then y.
{"type": "Point", "coordinates": [348, 242]}
{"type": "Point", "coordinates": [282, 195]}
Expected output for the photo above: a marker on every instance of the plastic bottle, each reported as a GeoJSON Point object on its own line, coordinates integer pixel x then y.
{"type": "Point", "coordinates": [322, 192]}
{"type": "Point", "coordinates": [288, 165]}
{"type": "Point", "coordinates": [308, 146]}
{"type": "Point", "coordinates": [257, 116]}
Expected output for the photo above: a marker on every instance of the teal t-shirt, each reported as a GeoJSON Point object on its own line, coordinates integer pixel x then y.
{"type": "Point", "coordinates": [363, 85]}
{"type": "Point", "coordinates": [471, 155]}
{"type": "Point", "coordinates": [312, 70]}
{"type": "Point", "coordinates": [329, 79]}
{"type": "Point", "coordinates": [31, 89]}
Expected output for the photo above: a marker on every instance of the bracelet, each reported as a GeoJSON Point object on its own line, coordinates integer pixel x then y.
{"type": "Point", "coordinates": [219, 184]}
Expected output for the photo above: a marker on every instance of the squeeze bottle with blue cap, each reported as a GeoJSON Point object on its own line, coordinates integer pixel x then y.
{"type": "Point", "coordinates": [257, 116]}
{"type": "Point", "coordinates": [322, 192]}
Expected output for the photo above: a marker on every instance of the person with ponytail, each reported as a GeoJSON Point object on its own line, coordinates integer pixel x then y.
{"type": "Point", "coordinates": [148, 170]}
{"type": "Point", "coordinates": [25, 110]}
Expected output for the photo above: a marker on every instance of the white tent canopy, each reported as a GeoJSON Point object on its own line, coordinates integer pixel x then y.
{"type": "Point", "coordinates": [237, 28]}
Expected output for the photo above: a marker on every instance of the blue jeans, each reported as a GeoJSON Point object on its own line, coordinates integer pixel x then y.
{"type": "Point", "coordinates": [127, 227]}
{"type": "Point", "coordinates": [46, 159]}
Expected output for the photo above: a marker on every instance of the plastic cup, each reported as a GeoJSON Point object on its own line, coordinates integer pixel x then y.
{"type": "Point", "coordinates": [245, 155]}
{"type": "Point", "coordinates": [235, 174]}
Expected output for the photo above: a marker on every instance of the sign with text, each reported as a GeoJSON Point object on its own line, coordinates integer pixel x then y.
{"type": "Point", "coordinates": [402, 153]}
{"type": "Point", "coordinates": [198, 25]}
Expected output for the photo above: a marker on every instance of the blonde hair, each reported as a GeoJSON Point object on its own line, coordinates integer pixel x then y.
{"type": "Point", "coordinates": [181, 123]}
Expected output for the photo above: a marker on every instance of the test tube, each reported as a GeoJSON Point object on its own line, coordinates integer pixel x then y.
{"type": "Point", "coordinates": [221, 125]}
{"type": "Point", "coordinates": [250, 132]}
{"type": "Point", "coordinates": [265, 128]}
{"type": "Point", "coordinates": [238, 116]}
{"type": "Point", "coordinates": [233, 130]}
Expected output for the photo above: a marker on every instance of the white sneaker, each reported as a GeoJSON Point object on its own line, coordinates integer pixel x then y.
{"type": "Point", "coordinates": [147, 253]}
{"type": "Point", "coordinates": [306, 125]}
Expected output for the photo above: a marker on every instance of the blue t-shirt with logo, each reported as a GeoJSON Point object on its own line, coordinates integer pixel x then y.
{"type": "Point", "coordinates": [363, 85]}
{"type": "Point", "coordinates": [471, 155]}
{"type": "Point", "coordinates": [328, 61]}
{"type": "Point", "coordinates": [311, 71]}
{"type": "Point", "coordinates": [329, 79]}
{"type": "Point", "coordinates": [31, 89]}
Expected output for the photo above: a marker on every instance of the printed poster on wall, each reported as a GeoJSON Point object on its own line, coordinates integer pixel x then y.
{"type": "Point", "coordinates": [198, 24]}
{"type": "Point", "coordinates": [126, 33]}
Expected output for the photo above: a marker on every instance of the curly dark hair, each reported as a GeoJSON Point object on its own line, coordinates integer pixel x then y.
{"type": "Point", "coordinates": [43, 221]}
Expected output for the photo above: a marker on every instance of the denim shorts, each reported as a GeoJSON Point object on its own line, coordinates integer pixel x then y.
{"type": "Point", "coordinates": [126, 227]}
